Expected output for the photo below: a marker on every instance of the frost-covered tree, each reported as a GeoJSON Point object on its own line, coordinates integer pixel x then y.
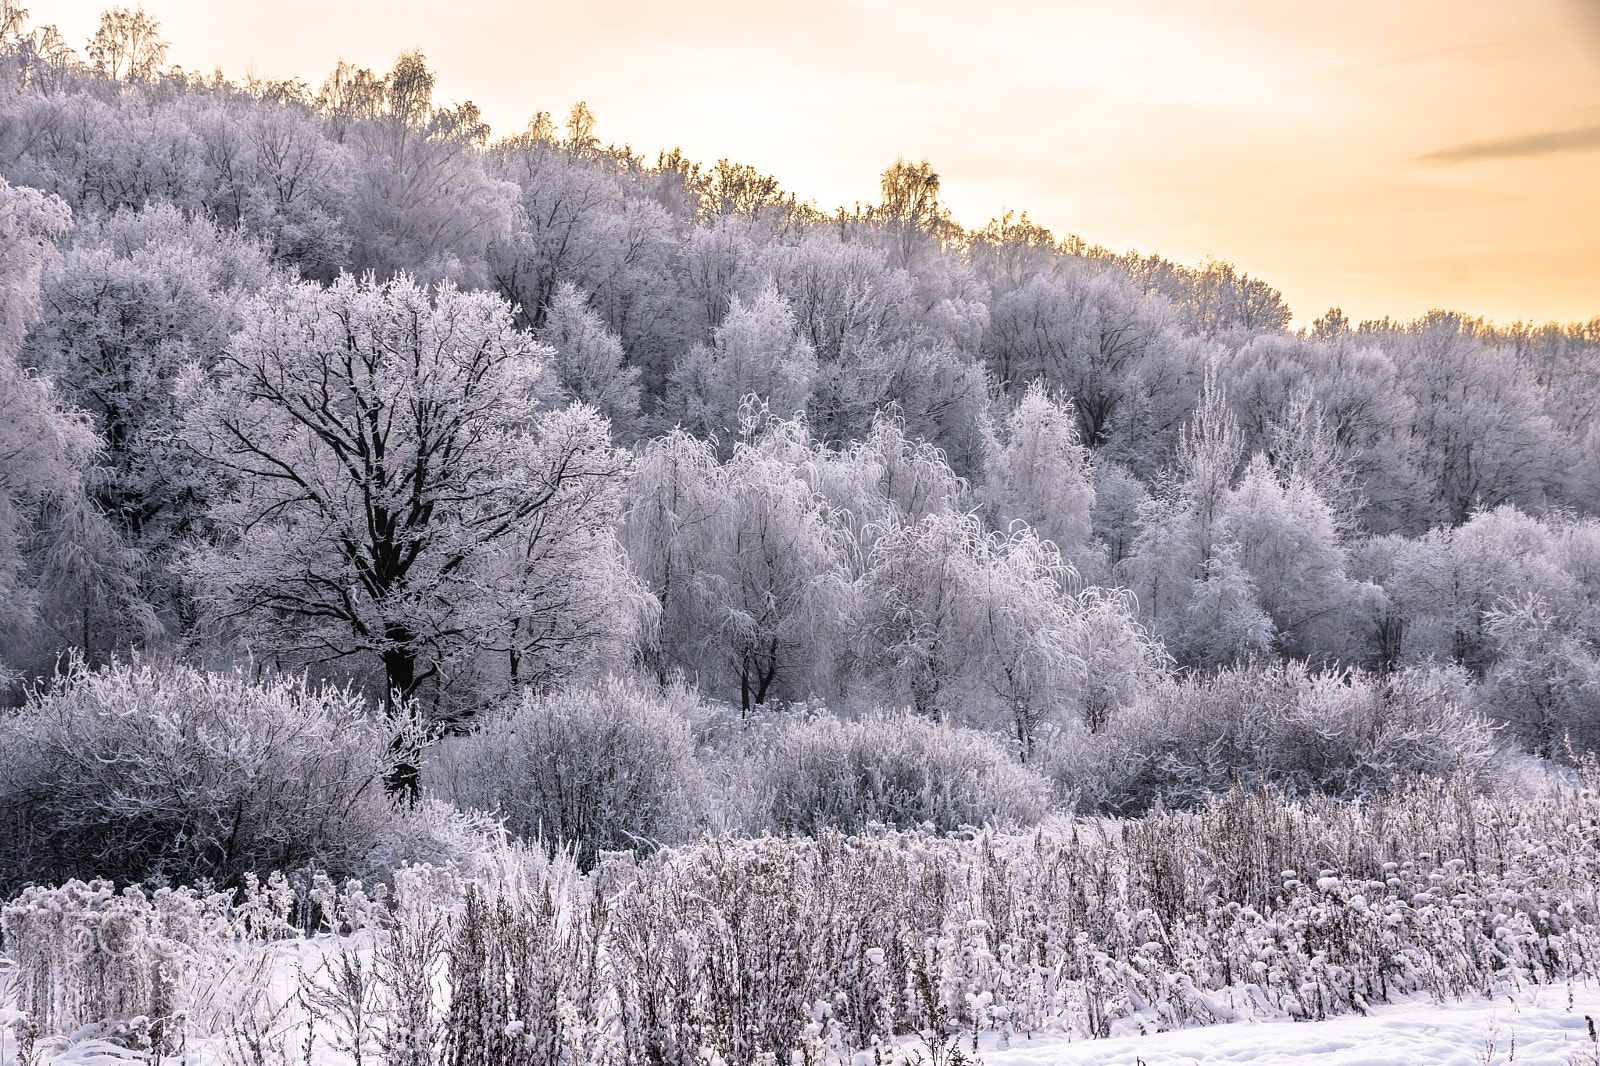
{"type": "Point", "coordinates": [1010, 252]}
{"type": "Point", "coordinates": [140, 298]}
{"type": "Point", "coordinates": [910, 213]}
{"type": "Point", "coordinates": [273, 171]}
{"type": "Point", "coordinates": [875, 347]}
{"type": "Point", "coordinates": [1444, 584]}
{"type": "Point", "coordinates": [1118, 497]}
{"type": "Point", "coordinates": [1120, 658]}
{"type": "Point", "coordinates": [1288, 542]}
{"type": "Point", "coordinates": [774, 586]}
{"type": "Point", "coordinates": [127, 44]}
{"type": "Point", "coordinates": [1186, 572]}
{"type": "Point", "coordinates": [1544, 680]}
{"type": "Point", "coordinates": [589, 361]}
{"type": "Point", "coordinates": [1480, 435]}
{"type": "Point", "coordinates": [1085, 332]}
{"type": "Point", "coordinates": [44, 445]}
{"type": "Point", "coordinates": [1038, 474]}
{"type": "Point", "coordinates": [398, 490]}
{"type": "Point", "coordinates": [885, 480]}
{"type": "Point", "coordinates": [420, 199]}
{"type": "Point", "coordinates": [1221, 297]}
{"type": "Point", "coordinates": [755, 351]}
{"type": "Point", "coordinates": [563, 206]}
{"type": "Point", "coordinates": [716, 265]}
{"type": "Point", "coordinates": [746, 559]}
{"type": "Point", "coordinates": [1225, 570]}
{"type": "Point", "coordinates": [974, 625]}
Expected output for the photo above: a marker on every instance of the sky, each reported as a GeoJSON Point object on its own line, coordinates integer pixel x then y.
{"type": "Point", "coordinates": [1386, 157]}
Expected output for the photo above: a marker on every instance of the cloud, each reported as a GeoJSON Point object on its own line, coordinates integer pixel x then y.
{"type": "Point", "coordinates": [1583, 139]}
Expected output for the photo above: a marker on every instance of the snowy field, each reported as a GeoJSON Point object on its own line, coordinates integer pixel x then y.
{"type": "Point", "coordinates": [1536, 1027]}
{"type": "Point", "coordinates": [1533, 1027]}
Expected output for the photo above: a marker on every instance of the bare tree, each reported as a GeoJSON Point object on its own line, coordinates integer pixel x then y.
{"type": "Point", "coordinates": [128, 44]}
{"type": "Point", "coordinates": [401, 492]}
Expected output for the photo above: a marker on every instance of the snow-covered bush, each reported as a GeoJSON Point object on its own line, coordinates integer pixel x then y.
{"type": "Point", "coordinates": [139, 773]}
{"type": "Point", "coordinates": [898, 770]}
{"type": "Point", "coordinates": [607, 767]}
{"type": "Point", "coordinates": [1342, 734]}
{"type": "Point", "coordinates": [1545, 681]}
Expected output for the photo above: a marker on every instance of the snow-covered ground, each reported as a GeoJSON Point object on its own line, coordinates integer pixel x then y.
{"type": "Point", "coordinates": [1535, 1027]}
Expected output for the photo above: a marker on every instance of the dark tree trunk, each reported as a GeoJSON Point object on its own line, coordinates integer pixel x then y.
{"type": "Point", "coordinates": [404, 778]}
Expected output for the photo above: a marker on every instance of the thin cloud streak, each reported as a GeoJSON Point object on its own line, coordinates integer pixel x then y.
{"type": "Point", "coordinates": [1584, 139]}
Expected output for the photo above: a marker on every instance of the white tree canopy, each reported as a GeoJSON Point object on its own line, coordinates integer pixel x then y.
{"type": "Point", "coordinates": [398, 488]}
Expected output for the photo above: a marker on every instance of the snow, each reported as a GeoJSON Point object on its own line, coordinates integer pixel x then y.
{"type": "Point", "coordinates": [1534, 1027]}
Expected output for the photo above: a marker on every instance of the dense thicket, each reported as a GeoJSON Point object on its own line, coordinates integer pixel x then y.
{"type": "Point", "coordinates": [336, 381]}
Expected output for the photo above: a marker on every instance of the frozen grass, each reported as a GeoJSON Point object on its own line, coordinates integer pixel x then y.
{"type": "Point", "coordinates": [742, 951]}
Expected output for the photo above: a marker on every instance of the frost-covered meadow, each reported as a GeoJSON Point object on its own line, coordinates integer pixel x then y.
{"type": "Point", "coordinates": [474, 600]}
{"type": "Point", "coordinates": [884, 944]}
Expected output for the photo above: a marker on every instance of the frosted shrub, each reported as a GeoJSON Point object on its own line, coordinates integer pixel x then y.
{"type": "Point", "coordinates": [138, 772]}
{"type": "Point", "coordinates": [1343, 734]}
{"type": "Point", "coordinates": [1544, 684]}
{"type": "Point", "coordinates": [897, 770]}
{"type": "Point", "coordinates": [609, 767]}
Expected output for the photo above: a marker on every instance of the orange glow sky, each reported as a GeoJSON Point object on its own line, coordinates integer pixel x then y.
{"type": "Point", "coordinates": [1385, 156]}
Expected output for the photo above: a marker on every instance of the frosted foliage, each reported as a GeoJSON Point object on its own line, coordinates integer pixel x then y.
{"type": "Point", "coordinates": [1037, 945]}
{"type": "Point", "coordinates": [1118, 495]}
{"type": "Point", "coordinates": [603, 768]}
{"type": "Point", "coordinates": [29, 222]}
{"type": "Point", "coordinates": [745, 560]}
{"type": "Point", "coordinates": [634, 247]}
{"type": "Point", "coordinates": [1444, 584]}
{"type": "Point", "coordinates": [1038, 474]}
{"type": "Point", "coordinates": [575, 223]}
{"type": "Point", "coordinates": [718, 261]}
{"type": "Point", "coordinates": [1287, 541]}
{"type": "Point", "coordinates": [281, 179]}
{"type": "Point", "coordinates": [1512, 598]}
{"type": "Point", "coordinates": [1224, 571]}
{"type": "Point", "coordinates": [589, 360]}
{"type": "Point", "coordinates": [1335, 733]}
{"type": "Point", "coordinates": [755, 351]}
{"type": "Point", "coordinates": [1209, 450]}
{"type": "Point", "coordinates": [1084, 332]}
{"type": "Point", "coordinates": [399, 490]}
{"type": "Point", "coordinates": [1120, 659]}
{"type": "Point", "coordinates": [139, 298]}
{"type": "Point", "coordinates": [847, 301]}
{"type": "Point", "coordinates": [90, 580]}
{"type": "Point", "coordinates": [137, 772]}
{"type": "Point", "coordinates": [1545, 679]}
{"type": "Point", "coordinates": [1335, 414]}
{"type": "Point", "coordinates": [1186, 574]}
{"type": "Point", "coordinates": [875, 348]}
{"type": "Point", "coordinates": [1480, 435]}
{"type": "Point", "coordinates": [43, 446]}
{"type": "Point", "coordinates": [555, 235]}
{"type": "Point", "coordinates": [974, 625]}
{"type": "Point", "coordinates": [898, 771]}
{"type": "Point", "coordinates": [419, 199]}
{"type": "Point", "coordinates": [886, 480]}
